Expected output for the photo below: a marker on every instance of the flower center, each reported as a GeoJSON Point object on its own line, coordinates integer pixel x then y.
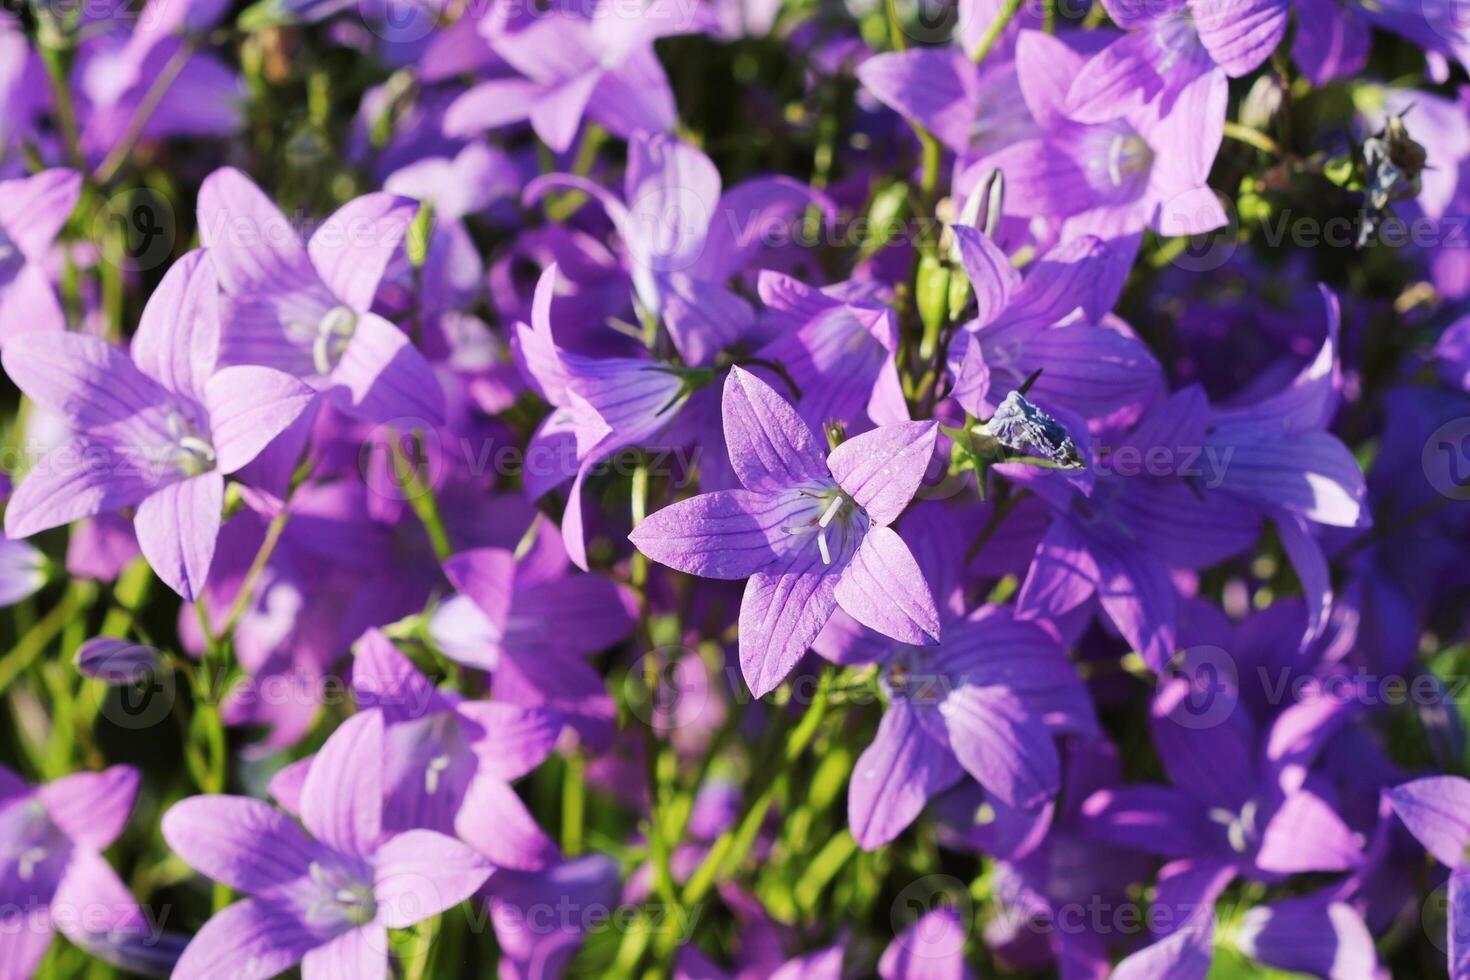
{"type": "Point", "coordinates": [333, 333]}
{"type": "Point", "coordinates": [32, 841]}
{"type": "Point", "coordinates": [1129, 157]}
{"type": "Point", "coordinates": [1177, 38]}
{"type": "Point", "coordinates": [1240, 828]}
{"type": "Point", "coordinates": [837, 515]}
{"type": "Point", "coordinates": [342, 896]}
{"type": "Point", "coordinates": [192, 453]}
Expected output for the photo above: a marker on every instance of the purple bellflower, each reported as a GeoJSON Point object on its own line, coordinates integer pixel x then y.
{"type": "Point", "coordinates": [1167, 46]}
{"type": "Point", "coordinates": [1147, 168]}
{"type": "Point", "coordinates": [306, 310]}
{"type": "Point", "coordinates": [53, 876]}
{"type": "Point", "coordinates": [1276, 453]}
{"type": "Point", "coordinates": [1044, 322]}
{"type": "Point", "coordinates": [158, 432]}
{"type": "Point", "coordinates": [1124, 539]}
{"type": "Point", "coordinates": [449, 762]}
{"type": "Point", "coordinates": [809, 531]}
{"type": "Point", "coordinates": [570, 66]}
{"type": "Point", "coordinates": [985, 701]}
{"type": "Point", "coordinates": [326, 900]}
{"type": "Point", "coordinates": [603, 404]}
{"type": "Point", "coordinates": [685, 239]}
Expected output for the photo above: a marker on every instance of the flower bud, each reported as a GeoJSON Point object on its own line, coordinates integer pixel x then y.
{"type": "Point", "coordinates": [116, 661]}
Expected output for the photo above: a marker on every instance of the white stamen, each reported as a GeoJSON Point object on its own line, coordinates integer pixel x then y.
{"type": "Point", "coordinates": [431, 775]}
{"type": "Point", "coordinates": [28, 862]}
{"type": "Point", "coordinates": [1115, 160]}
{"type": "Point", "coordinates": [831, 511]}
{"type": "Point", "coordinates": [822, 547]}
{"type": "Point", "coordinates": [321, 353]}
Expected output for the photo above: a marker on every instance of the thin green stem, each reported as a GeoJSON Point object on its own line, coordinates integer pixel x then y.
{"type": "Point", "coordinates": [66, 113]}
{"type": "Point", "coordinates": [987, 42]}
{"type": "Point", "coordinates": [79, 595]}
{"type": "Point", "coordinates": [246, 594]}
{"type": "Point", "coordinates": [573, 803]}
{"type": "Point", "coordinates": [420, 497]}
{"type": "Point", "coordinates": [169, 74]}
{"type": "Point", "coordinates": [732, 847]}
{"type": "Point", "coordinates": [895, 26]}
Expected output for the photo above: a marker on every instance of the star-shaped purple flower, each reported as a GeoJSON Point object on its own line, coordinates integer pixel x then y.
{"type": "Point", "coordinates": [810, 530]}
{"type": "Point", "coordinates": [158, 431]}
{"type": "Point", "coordinates": [326, 900]}
{"type": "Point", "coordinates": [306, 309]}
{"type": "Point", "coordinates": [53, 876]}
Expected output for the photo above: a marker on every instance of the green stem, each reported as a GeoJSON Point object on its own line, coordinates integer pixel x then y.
{"type": "Point", "coordinates": [895, 26]}
{"type": "Point", "coordinates": [169, 74]}
{"type": "Point", "coordinates": [661, 850]}
{"type": "Point", "coordinates": [573, 804]}
{"type": "Point", "coordinates": [79, 594]}
{"type": "Point", "coordinates": [732, 847]}
{"type": "Point", "coordinates": [66, 113]}
{"type": "Point", "coordinates": [565, 204]}
{"type": "Point", "coordinates": [244, 597]}
{"type": "Point", "coordinates": [420, 497]}
{"type": "Point", "coordinates": [1012, 7]}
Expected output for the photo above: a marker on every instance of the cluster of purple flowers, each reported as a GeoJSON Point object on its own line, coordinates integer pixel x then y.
{"type": "Point", "coordinates": [735, 488]}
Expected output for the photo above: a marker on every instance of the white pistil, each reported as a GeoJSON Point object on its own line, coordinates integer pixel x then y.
{"type": "Point", "coordinates": [29, 860]}
{"type": "Point", "coordinates": [436, 766]}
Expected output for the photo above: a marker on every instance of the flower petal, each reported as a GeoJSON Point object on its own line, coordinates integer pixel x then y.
{"type": "Point", "coordinates": [420, 873]}
{"type": "Point", "coordinates": [240, 841]}
{"type": "Point", "coordinates": [895, 776]}
{"type": "Point", "coordinates": [352, 247]}
{"type": "Point", "coordinates": [248, 407]}
{"type": "Point", "coordinates": [508, 739]}
{"type": "Point", "coordinates": [386, 378]}
{"type": "Point", "coordinates": [91, 807]}
{"type": "Point", "coordinates": [251, 940]}
{"type": "Point", "coordinates": [342, 799]}
{"type": "Point", "coordinates": [1436, 810]}
{"type": "Point", "coordinates": [1004, 746]}
{"type": "Point", "coordinates": [883, 588]}
{"type": "Point", "coordinates": [992, 277]}
{"type": "Point", "coordinates": [177, 341]}
{"type": "Point", "coordinates": [728, 534]}
{"type": "Point", "coordinates": [1240, 34]}
{"type": "Point", "coordinates": [76, 479]}
{"type": "Point", "coordinates": [90, 383]}
{"type": "Point", "coordinates": [495, 822]}
{"type": "Point", "coordinates": [783, 610]}
{"type": "Point", "coordinates": [882, 469]}
{"type": "Point", "coordinates": [770, 447]}
{"type": "Point", "coordinates": [361, 954]}
{"type": "Point", "coordinates": [1306, 834]}
{"type": "Point", "coordinates": [177, 527]}
{"type": "Point", "coordinates": [34, 209]}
